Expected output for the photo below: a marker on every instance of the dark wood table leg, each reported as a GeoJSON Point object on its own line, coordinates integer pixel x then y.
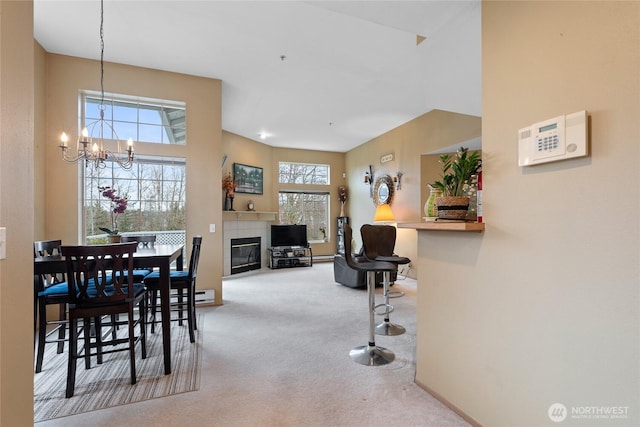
{"type": "Point", "coordinates": [166, 319]}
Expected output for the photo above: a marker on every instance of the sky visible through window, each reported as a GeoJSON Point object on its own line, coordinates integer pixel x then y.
{"type": "Point", "coordinates": [155, 123]}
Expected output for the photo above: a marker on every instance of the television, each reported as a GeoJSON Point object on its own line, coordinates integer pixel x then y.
{"type": "Point", "coordinates": [289, 235]}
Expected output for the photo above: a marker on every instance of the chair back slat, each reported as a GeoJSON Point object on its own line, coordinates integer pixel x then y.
{"type": "Point", "coordinates": [100, 274]}
{"type": "Point", "coordinates": [348, 253]}
{"type": "Point", "coordinates": [42, 248]}
{"type": "Point", "coordinates": [195, 257]}
{"type": "Point", "coordinates": [48, 248]}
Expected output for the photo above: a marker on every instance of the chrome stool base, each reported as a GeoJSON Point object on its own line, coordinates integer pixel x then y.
{"type": "Point", "coordinates": [389, 329]}
{"type": "Point", "coordinates": [371, 355]}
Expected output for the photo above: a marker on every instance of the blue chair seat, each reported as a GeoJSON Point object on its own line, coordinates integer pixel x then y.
{"type": "Point", "coordinates": [138, 274]}
{"type": "Point", "coordinates": [154, 277]}
{"type": "Point", "coordinates": [60, 289]}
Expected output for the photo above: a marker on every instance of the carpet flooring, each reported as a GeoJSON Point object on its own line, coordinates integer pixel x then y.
{"type": "Point", "coordinates": [276, 354]}
{"type": "Point", "coordinates": [109, 384]}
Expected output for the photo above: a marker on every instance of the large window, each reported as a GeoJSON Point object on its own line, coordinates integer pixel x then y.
{"type": "Point", "coordinates": [155, 190]}
{"type": "Point", "coordinates": [156, 121]}
{"type": "Point", "coordinates": [299, 205]}
{"type": "Point", "coordinates": [303, 173]}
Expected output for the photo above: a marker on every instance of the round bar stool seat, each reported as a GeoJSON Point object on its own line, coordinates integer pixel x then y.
{"type": "Point", "coordinates": [370, 354]}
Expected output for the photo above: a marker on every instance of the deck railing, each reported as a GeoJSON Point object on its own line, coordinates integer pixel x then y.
{"type": "Point", "coordinates": [175, 237]}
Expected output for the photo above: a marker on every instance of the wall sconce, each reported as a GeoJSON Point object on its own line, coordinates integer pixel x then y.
{"type": "Point", "coordinates": [397, 180]}
{"type": "Point", "coordinates": [368, 179]}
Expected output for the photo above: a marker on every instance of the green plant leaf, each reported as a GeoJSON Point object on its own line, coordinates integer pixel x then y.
{"type": "Point", "coordinates": [457, 170]}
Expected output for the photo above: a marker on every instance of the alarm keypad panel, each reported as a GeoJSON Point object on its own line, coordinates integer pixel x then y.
{"type": "Point", "coordinates": [554, 139]}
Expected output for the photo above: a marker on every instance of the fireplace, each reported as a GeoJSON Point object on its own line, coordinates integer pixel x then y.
{"type": "Point", "coordinates": [245, 254]}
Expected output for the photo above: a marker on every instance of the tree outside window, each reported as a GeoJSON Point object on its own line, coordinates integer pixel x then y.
{"type": "Point", "coordinates": [155, 190]}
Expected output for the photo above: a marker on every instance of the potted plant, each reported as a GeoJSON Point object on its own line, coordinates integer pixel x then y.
{"type": "Point", "coordinates": [457, 172]}
{"type": "Point", "coordinates": [118, 206]}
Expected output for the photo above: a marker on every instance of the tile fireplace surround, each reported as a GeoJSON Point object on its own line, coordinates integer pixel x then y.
{"type": "Point", "coordinates": [242, 229]}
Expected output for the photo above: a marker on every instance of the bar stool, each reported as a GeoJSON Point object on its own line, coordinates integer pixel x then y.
{"type": "Point", "coordinates": [378, 242]}
{"type": "Point", "coordinates": [370, 354]}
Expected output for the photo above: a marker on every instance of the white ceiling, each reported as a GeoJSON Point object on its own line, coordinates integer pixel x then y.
{"type": "Point", "coordinates": [352, 70]}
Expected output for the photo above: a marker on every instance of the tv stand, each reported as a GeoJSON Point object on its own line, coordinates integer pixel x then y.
{"type": "Point", "coordinates": [290, 256]}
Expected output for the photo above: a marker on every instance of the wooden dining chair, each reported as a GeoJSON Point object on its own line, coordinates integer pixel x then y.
{"type": "Point", "coordinates": [49, 289]}
{"type": "Point", "coordinates": [181, 282]}
{"type": "Point", "coordinates": [101, 284]}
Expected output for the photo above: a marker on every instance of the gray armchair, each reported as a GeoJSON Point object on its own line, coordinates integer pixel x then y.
{"type": "Point", "coordinates": [351, 278]}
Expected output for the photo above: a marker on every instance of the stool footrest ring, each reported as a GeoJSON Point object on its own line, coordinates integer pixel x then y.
{"type": "Point", "coordinates": [388, 308]}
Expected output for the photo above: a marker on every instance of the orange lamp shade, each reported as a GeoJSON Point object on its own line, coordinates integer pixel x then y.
{"type": "Point", "coordinates": [383, 213]}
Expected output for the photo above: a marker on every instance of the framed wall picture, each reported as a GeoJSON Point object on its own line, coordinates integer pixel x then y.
{"type": "Point", "coordinates": [247, 178]}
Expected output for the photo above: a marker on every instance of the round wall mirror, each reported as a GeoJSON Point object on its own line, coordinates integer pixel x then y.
{"type": "Point", "coordinates": [383, 190]}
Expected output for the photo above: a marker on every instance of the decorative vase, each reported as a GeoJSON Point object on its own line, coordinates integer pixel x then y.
{"type": "Point", "coordinates": [452, 207]}
{"type": "Point", "coordinates": [228, 203]}
{"type": "Point", "coordinates": [114, 238]}
{"type": "Point", "coordinates": [471, 191]}
{"type": "Point", "coordinates": [430, 208]}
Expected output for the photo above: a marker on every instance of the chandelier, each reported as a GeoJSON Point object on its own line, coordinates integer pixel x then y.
{"type": "Point", "coordinates": [90, 145]}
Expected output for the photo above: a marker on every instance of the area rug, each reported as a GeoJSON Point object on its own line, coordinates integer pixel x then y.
{"type": "Point", "coordinates": [109, 384]}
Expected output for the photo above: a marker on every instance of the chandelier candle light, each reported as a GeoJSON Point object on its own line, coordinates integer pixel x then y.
{"type": "Point", "coordinates": [92, 150]}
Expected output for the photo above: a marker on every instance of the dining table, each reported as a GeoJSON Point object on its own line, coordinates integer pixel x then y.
{"type": "Point", "coordinates": [157, 256]}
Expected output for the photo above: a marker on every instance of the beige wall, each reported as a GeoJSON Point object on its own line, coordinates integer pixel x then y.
{"type": "Point", "coordinates": [543, 306]}
{"type": "Point", "coordinates": [431, 131]}
{"type": "Point", "coordinates": [16, 211]}
{"type": "Point", "coordinates": [39, 155]}
{"type": "Point", "coordinates": [67, 76]}
{"type": "Point", "coordinates": [247, 151]}
{"type": "Point", "coordinates": [239, 149]}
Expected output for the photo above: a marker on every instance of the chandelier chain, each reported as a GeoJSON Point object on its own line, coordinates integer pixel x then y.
{"type": "Point", "coordinates": [102, 54]}
{"type": "Point", "coordinates": [90, 151]}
